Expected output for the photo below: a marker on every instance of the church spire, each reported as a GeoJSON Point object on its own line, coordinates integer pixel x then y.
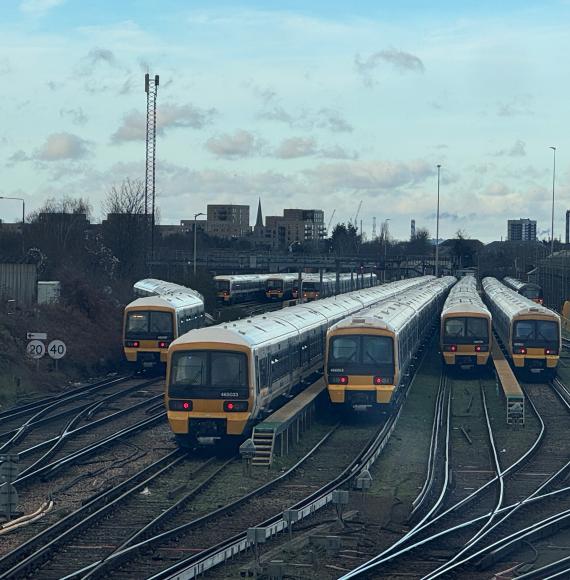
{"type": "Point", "coordinates": [259, 220]}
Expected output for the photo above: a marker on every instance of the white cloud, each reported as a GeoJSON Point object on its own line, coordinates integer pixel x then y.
{"type": "Point", "coordinates": [400, 61]}
{"type": "Point", "coordinates": [296, 147]}
{"type": "Point", "coordinates": [324, 118]}
{"type": "Point", "coordinates": [77, 116]}
{"type": "Point", "coordinates": [517, 149]}
{"type": "Point", "coordinates": [59, 146]}
{"type": "Point", "coordinates": [38, 7]}
{"type": "Point", "coordinates": [238, 145]}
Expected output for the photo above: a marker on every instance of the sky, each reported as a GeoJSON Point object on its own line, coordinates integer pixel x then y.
{"type": "Point", "coordinates": [307, 104]}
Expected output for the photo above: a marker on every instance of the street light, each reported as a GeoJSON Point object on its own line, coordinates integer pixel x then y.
{"type": "Point", "coordinates": [23, 215]}
{"type": "Point", "coordinates": [553, 180]}
{"type": "Point", "coordinates": [437, 226]}
{"type": "Point", "coordinates": [195, 217]}
{"type": "Point", "coordinates": [385, 228]}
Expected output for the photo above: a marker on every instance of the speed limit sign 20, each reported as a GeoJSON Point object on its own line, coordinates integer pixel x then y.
{"type": "Point", "coordinates": [56, 349]}
{"type": "Point", "coordinates": [36, 349]}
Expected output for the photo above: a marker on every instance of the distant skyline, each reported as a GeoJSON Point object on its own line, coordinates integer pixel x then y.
{"type": "Point", "coordinates": [304, 104]}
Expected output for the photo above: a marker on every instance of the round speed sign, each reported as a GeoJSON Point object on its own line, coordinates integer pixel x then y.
{"type": "Point", "coordinates": [56, 349]}
{"type": "Point", "coordinates": [36, 349]}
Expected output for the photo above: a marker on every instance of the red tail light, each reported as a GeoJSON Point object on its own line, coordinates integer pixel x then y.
{"type": "Point", "coordinates": [163, 344]}
{"type": "Point", "coordinates": [550, 351]}
{"type": "Point", "coordinates": [343, 380]}
{"type": "Point", "coordinates": [519, 350]}
{"type": "Point", "coordinates": [235, 406]}
{"type": "Point", "coordinates": [478, 348]}
{"type": "Point", "coordinates": [176, 405]}
{"type": "Point", "coordinates": [132, 343]}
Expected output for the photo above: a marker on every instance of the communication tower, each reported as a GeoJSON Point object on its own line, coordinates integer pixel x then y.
{"type": "Point", "coordinates": [413, 229]}
{"type": "Point", "coordinates": [374, 228]}
{"type": "Point", "coordinates": [151, 90]}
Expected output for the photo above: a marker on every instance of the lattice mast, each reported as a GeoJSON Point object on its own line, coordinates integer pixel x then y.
{"type": "Point", "coordinates": [151, 90]}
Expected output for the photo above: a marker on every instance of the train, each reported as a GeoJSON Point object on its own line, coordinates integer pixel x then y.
{"type": "Point", "coordinates": [315, 288]}
{"type": "Point", "coordinates": [368, 354]}
{"type": "Point", "coordinates": [527, 289]}
{"type": "Point", "coordinates": [223, 379]}
{"type": "Point", "coordinates": [152, 322]}
{"type": "Point", "coordinates": [281, 286]}
{"type": "Point", "coordinates": [530, 332]}
{"type": "Point", "coordinates": [466, 332]}
{"type": "Point", "coordinates": [240, 287]}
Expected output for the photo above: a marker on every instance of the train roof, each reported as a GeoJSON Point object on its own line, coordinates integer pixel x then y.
{"type": "Point", "coordinates": [392, 314]}
{"type": "Point", "coordinates": [244, 277]}
{"type": "Point", "coordinates": [464, 298]}
{"type": "Point", "coordinates": [518, 285]}
{"type": "Point", "coordinates": [176, 301]}
{"type": "Point", "coordinates": [512, 303]}
{"type": "Point", "coordinates": [155, 287]}
{"type": "Point", "coordinates": [278, 324]}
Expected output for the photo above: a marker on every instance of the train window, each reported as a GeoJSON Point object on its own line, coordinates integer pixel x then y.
{"type": "Point", "coordinates": [376, 350]}
{"type": "Point", "coordinates": [344, 349]}
{"type": "Point", "coordinates": [531, 292]}
{"type": "Point", "coordinates": [228, 368]}
{"type": "Point", "coordinates": [455, 327]}
{"type": "Point", "coordinates": [546, 330]}
{"type": "Point", "coordinates": [137, 322]}
{"type": "Point", "coordinates": [477, 328]}
{"type": "Point", "coordinates": [222, 285]}
{"type": "Point", "coordinates": [160, 323]}
{"type": "Point", "coordinates": [525, 329]}
{"type": "Point", "coordinates": [189, 368]}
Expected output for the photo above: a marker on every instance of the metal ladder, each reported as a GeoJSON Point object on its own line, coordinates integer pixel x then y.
{"type": "Point", "coordinates": [264, 441]}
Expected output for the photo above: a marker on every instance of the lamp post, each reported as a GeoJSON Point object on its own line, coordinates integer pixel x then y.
{"type": "Point", "coordinates": [385, 228]}
{"type": "Point", "coordinates": [195, 218]}
{"type": "Point", "coordinates": [437, 226]}
{"type": "Point", "coordinates": [23, 216]}
{"type": "Point", "coordinates": [553, 180]}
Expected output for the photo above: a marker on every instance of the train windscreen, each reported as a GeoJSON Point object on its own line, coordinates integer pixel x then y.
{"type": "Point", "coordinates": [311, 286]}
{"type": "Point", "coordinates": [149, 324]}
{"type": "Point", "coordinates": [274, 284]}
{"type": "Point", "coordinates": [536, 333]}
{"type": "Point", "coordinates": [222, 285]}
{"type": "Point", "coordinates": [532, 292]}
{"type": "Point", "coordinates": [465, 330]}
{"type": "Point", "coordinates": [208, 374]}
{"type": "Point", "coordinates": [361, 355]}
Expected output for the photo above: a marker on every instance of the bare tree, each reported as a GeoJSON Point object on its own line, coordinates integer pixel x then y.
{"type": "Point", "coordinates": [128, 198]}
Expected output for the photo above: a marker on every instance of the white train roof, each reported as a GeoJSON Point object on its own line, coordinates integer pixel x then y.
{"type": "Point", "coordinates": [245, 277]}
{"type": "Point", "coordinates": [394, 313]}
{"type": "Point", "coordinates": [512, 303]}
{"type": "Point", "coordinates": [516, 284]}
{"type": "Point", "coordinates": [176, 301]}
{"type": "Point", "coordinates": [464, 298]}
{"type": "Point", "coordinates": [290, 321]}
{"type": "Point", "coordinates": [155, 287]}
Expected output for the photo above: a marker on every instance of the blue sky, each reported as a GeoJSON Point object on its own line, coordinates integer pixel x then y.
{"type": "Point", "coordinates": [304, 104]}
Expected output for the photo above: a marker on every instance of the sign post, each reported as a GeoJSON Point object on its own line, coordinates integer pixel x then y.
{"type": "Point", "coordinates": [56, 350]}
{"type": "Point", "coordinates": [36, 349]}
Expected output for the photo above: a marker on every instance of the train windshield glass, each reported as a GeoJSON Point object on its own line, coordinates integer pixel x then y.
{"type": "Point", "coordinates": [466, 329]}
{"type": "Point", "coordinates": [223, 285]}
{"type": "Point", "coordinates": [361, 354]}
{"type": "Point", "coordinates": [208, 374]}
{"type": "Point", "coordinates": [531, 292]}
{"type": "Point", "coordinates": [311, 286]}
{"type": "Point", "coordinates": [149, 324]}
{"type": "Point", "coordinates": [537, 331]}
{"type": "Point", "coordinates": [274, 284]}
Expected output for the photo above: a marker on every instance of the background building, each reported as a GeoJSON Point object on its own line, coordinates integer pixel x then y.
{"type": "Point", "coordinates": [228, 221]}
{"type": "Point", "coordinates": [568, 226]}
{"type": "Point", "coordinates": [305, 226]}
{"type": "Point", "coordinates": [521, 230]}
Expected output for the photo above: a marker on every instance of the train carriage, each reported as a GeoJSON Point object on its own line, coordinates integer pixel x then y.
{"type": "Point", "coordinates": [280, 286]}
{"type": "Point", "coordinates": [466, 327]}
{"type": "Point", "coordinates": [527, 289]}
{"type": "Point", "coordinates": [239, 288]}
{"type": "Point", "coordinates": [151, 323]}
{"type": "Point", "coordinates": [530, 333]}
{"type": "Point", "coordinates": [223, 379]}
{"type": "Point", "coordinates": [368, 354]}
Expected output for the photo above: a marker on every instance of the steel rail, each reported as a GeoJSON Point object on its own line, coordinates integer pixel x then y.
{"type": "Point", "coordinates": [389, 554]}
{"type": "Point", "coordinates": [23, 557]}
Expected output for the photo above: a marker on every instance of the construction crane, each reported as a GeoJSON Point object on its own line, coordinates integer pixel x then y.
{"type": "Point", "coordinates": [357, 212]}
{"type": "Point", "coordinates": [330, 221]}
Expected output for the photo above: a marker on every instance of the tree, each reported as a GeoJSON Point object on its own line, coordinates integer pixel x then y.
{"type": "Point", "coordinates": [345, 240]}
{"type": "Point", "coordinates": [126, 227]}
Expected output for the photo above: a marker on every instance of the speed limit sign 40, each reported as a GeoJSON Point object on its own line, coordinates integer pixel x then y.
{"type": "Point", "coordinates": [36, 349]}
{"type": "Point", "coordinates": [56, 349]}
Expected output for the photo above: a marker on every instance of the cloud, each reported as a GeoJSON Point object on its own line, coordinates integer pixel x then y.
{"type": "Point", "coordinates": [324, 118]}
{"type": "Point", "coordinates": [94, 58]}
{"type": "Point", "coordinates": [296, 147]}
{"type": "Point", "coordinates": [77, 116]}
{"type": "Point", "coordinates": [238, 145]}
{"type": "Point", "coordinates": [400, 61]}
{"type": "Point", "coordinates": [520, 105]}
{"type": "Point", "coordinates": [169, 115]}
{"type": "Point", "coordinates": [59, 146]}
{"type": "Point", "coordinates": [5, 66]}
{"type": "Point", "coordinates": [38, 7]}
{"type": "Point", "coordinates": [17, 157]}
{"type": "Point", "coordinates": [517, 149]}
{"type": "Point", "coordinates": [371, 175]}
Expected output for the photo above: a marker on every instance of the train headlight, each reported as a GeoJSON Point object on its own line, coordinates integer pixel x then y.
{"type": "Point", "coordinates": [519, 350]}
{"type": "Point", "coordinates": [382, 380]}
{"type": "Point", "coordinates": [163, 344]}
{"type": "Point", "coordinates": [132, 343]}
{"type": "Point", "coordinates": [338, 380]}
{"type": "Point", "coordinates": [177, 405]}
{"type": "Point", "coordinates": [551, 351]}
{"type": "Point", "coordinates": [450, 348]}
{"type": "Point", "coordinates": [235, 406]}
